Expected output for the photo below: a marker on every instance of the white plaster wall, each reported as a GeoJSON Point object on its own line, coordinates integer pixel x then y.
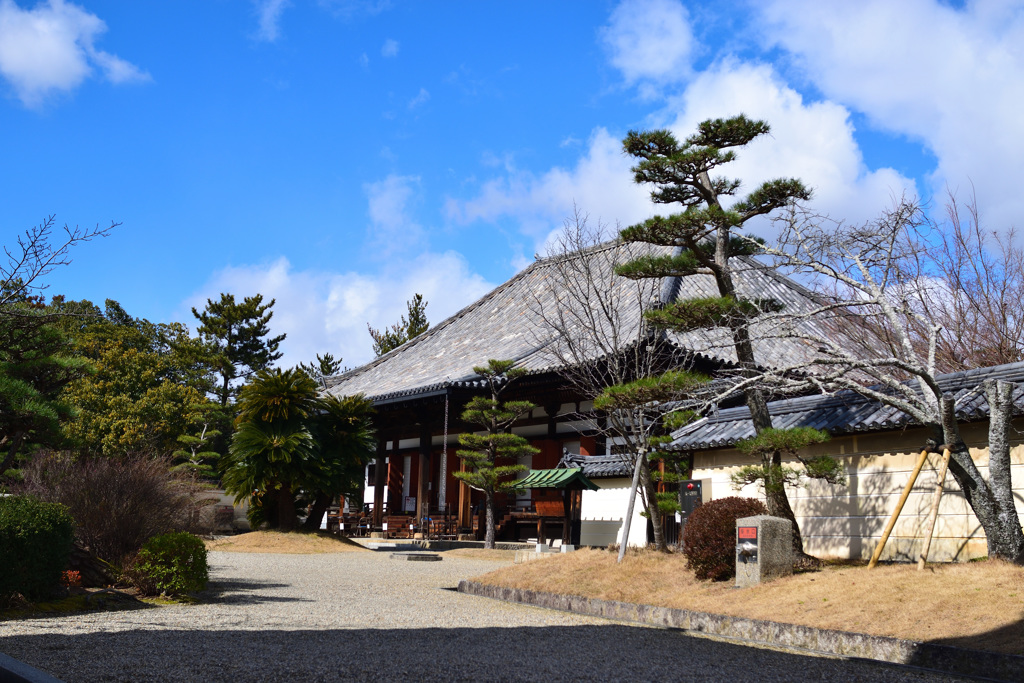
{"type": "Point", "coordinates": [847, 521]}
{"type": "Point", "coordinates": [603, 512]}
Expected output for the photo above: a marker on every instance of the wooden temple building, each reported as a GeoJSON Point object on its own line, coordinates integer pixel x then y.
{"type": "Point", "coordinates": [421, 388]}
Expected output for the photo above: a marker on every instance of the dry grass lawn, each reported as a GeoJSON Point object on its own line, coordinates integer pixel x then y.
{"type": "Point", "coordinates": [503, 556]}
{"type": "Point", "coordinates": [278, 542]}
{"type": "Point", "coordinates": [977, 605]}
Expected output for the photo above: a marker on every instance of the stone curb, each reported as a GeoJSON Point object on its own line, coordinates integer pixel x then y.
{"type": "Point", "coordinates": [13, 671]}
{"type": "Point", "coordinates": [942, 658]}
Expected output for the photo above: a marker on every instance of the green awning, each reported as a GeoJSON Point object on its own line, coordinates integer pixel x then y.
{"type": "Point", "coordinates": [570, 478]}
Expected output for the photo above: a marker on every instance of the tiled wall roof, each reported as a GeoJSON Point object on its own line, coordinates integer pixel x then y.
{"type": "Point", "coordinates": [846, 411]}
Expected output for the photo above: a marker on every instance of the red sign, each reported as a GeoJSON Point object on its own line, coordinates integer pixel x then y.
{"type": "Point", "coordinates": [747, 532]}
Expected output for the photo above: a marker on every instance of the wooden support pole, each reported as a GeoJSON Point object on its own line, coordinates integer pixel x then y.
{"type": "Point", "coordinates": [899, 508]}
{"type": "Point", "coordinates": [933, 514]}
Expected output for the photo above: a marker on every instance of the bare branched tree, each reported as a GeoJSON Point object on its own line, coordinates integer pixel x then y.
{"type": "Point", "coordinates": [37, 254]}
{"type": "Point", "coordinates": [981, 302]}
{"type": "Point", "coordinates": [883, 301]}
{"type": "Point", "coordinates": [594, 329]}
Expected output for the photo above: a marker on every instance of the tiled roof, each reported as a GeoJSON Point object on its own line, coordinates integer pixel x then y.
{"type": "Point", "coordinates": [598, 466]}
{"type": "Point", "coordinates": [505, 325]}
{"type": "Point", "coordinates": [572, 477]}
{"type": "Point", "coordinates": [846, 411]}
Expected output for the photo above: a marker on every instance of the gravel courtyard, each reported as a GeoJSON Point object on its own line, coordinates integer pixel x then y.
{"type": "Point", "coordinates": [366, 616]}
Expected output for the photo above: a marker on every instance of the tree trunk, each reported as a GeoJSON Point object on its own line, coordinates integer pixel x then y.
{"type": "Point", "coordinates": [489, 533]}
{"type": "Point", "coordinates": [270, 508]}
{"type": "Point", "coordinates": [316, 512]}
{"type": "Point", "coordinates": [1009, 542]}
{"type": "Point", "coordinates": [12, 452]}
{"type": "Point", "coordinates": [286, 518]}
{"type": "Point", "coordinates": [652, 505]}
{"type": "Point", "coordinates": [1000, 523]}
{"type": "Point", "coordinates": [778, 501]}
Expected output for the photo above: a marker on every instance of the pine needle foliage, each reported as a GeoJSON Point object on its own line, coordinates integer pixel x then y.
{"type": "Point", "coordinates": [491, 457]}
{"type": "Point", "coordinates": [771, 474]}
{"type": "Point", "coordinates": [707, 236]}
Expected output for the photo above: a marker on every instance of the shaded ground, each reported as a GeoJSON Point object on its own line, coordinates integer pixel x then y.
{"type": "Point", "coordinates": [365, 616]}
{"type": "Point", "coordinates": [977, 605]}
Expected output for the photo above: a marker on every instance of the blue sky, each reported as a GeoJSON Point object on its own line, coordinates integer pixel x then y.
{"type": "Point", "coordinates": [342, 155]}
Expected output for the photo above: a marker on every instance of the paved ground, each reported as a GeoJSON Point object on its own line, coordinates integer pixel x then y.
{"type": "Point", "coordinates": [365, 616]}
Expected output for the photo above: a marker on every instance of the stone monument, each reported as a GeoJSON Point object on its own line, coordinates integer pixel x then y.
{"type": "Point", "coordinates": [764, 549]}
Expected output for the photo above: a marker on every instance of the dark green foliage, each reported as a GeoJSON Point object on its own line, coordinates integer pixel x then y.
{"type": "Point", "coordinates": [660, 266]}
{"type": "Point", "coordinates": [770, 444]}
{"type": "Point", "coordinates": [709, 312]}
{"type": "Point", "coordinates": [35, 542]}
{"type": "Point", "coordinates": [771, 195]}
{"type": "Point", "coordinates": [660, 388]}
{"type": "Point", "coordinates": [172, 564]}
{"type": "Point", "coordinates": [785, 440]}
{"type": "Point", "coordinates": [325, 366]}
{"type": "Point", "coordinates": [682, 173]}
{"type": "Point", "coordinates": [709, 539]}
{"type": "Point", "coordinates": [36, 363]}
{"type": "Point", "coordinates": [481, 452]}
{"type": "Point", "coordinates": [149, 389]}
{"type": "Point", "coordinates": [289, 441]}
{"type": "Point", "coordinates": [392, 337]}
{"type": "Point", "coordinates": [240, 334]}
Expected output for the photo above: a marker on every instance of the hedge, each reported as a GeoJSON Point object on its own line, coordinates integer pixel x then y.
{"type": "Point", "coordinates": [35, 542]}
{"type": "Point", "coordinates": [172, 564]}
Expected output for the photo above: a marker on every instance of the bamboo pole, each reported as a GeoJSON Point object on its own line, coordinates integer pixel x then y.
{"type": "Point", "coordinates": [899, 508]}
{"type": "Point", "coordinates": [933, 514]}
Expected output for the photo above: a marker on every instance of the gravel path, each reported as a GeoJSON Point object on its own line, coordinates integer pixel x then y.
{"type": "Point", "coordinates": [365, 616]}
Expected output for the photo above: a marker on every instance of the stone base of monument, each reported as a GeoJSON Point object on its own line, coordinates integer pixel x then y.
{"type": "Point", "coordinates": [764, 549]}
{"type": "Point", "coordinates": [416, 557]}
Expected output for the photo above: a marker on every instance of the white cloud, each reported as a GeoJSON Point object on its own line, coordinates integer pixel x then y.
{"type": "Point", "coordinates": [51, 48]}
{"type": "Point", "coordinates": [600, 184]}
{"type": "Point", "coordinates": [812, 141]}
{"type": "Point", "coordinates": [421, 98]}
{"type": "Point", "coordinates": [268, 14]}
{"type": "Point", "coordinates": [948, 77]}
{"type": "Point", "coordinates": [364, 60]}
{"type": "Point", "coordinates": [390, 48]}
{"type": "Point", "coordinates": [649, 40]}
{"type": "Point", "coordinates": [392, 229]}
{"type": "Point", "coordinates": [328, 312]}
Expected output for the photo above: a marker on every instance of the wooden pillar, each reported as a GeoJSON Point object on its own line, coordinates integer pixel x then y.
{"type": "Point", "coordinates": [379, 484]}
{"type": "Point", "coordinates": [423, 485]}
{"type": "Point", "coordinates": [465, 502]}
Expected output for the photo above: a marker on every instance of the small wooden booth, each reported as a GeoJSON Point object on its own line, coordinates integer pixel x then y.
{"type": "Point", "coordinates": [571, 481]}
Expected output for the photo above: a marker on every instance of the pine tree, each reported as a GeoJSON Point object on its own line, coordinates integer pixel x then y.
{"type": "Point", "coordinates": [482, 452]}
{"type": "Point", "coordinates": [391, 338]}
{"type": "Point", "coordinates": [707, 237]}
{"type": "Point", "coordinates": [239, 331]}
{"type": "Point", "coordinates": [325, 366]}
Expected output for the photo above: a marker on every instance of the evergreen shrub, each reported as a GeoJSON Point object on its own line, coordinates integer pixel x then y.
{"type": "Point", "coordinates": [172, 564]}
{"type": "Point", "coordinates": [709, 538]}
{"type": "Point", "coordinates": [35, 541]}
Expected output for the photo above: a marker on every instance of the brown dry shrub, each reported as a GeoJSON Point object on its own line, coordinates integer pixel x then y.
{"type": "Point", "coordinates": [709, 539]}
{"type": "Point", "coordinates": [118, 504]}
